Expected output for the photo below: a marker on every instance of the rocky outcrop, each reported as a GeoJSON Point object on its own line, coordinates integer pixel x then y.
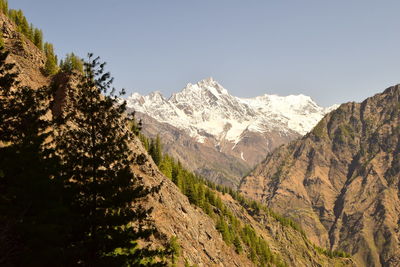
{"type": "Point", "coordinates": [29, 60]}
{"type": "Point", "coordinates": [342, 180]}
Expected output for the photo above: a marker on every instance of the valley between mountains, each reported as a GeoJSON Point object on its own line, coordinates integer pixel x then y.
{"type": "Point", "coordinates": [339, 181]}
{"type": "Point", "coordinates": [208, 179]}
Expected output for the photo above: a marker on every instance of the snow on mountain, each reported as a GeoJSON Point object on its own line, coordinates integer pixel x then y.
{"type": "Point", "coordinates": [206, 108]}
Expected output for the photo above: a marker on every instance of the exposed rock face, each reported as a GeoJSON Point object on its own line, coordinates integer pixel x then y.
{"type": "Point", "coordinates": [173, 215]}
{"type": "Point", "coordinates": [210, 127]}
{"type": "Point", "coordinates": [294, 248]}
{"type": "Point", "coordinates": [29, 60]}
{"type": "Point", "coordinates": [342, 180]}
{"type": "Point", "coordinates": [201, 243]}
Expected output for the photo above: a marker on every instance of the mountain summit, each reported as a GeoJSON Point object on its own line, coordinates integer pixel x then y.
{"type": "Point", "coordinates": [243, 128]}
{"type": "Point", "coordinates": [206, 108]}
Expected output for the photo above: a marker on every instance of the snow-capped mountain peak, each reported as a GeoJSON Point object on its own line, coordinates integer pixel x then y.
{"type": "Point", "coordinates": [204, 89]}
{"type": "Point", "coordinates": [206, 108]}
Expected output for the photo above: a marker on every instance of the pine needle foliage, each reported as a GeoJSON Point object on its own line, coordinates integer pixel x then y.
{"type": "Point", "coordinates": [4, 6]}
{"type": "Point", "coordinates": [1, 39]}
{"type": "Point", "coordinates": [28, 30]}
{"type": "Point", "coordinates": [93, 143]}
{"type": "Point", "coordinates": [50, 67]}
{"type": "Point", "coordinates": [35, 35]}
{"type": "Point", "coordinates": [32, 214]}
{"type": "Point", "coordinates": [71, 63]}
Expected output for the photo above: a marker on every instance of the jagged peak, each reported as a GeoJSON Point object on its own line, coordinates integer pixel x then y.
{"type": "Point", "coordinates": [208, 84]}
{"type": "Point", "coordinates": [206, 106]}
{"type": "Point", "coordinates": [156, 96]}
{"type": "Point", "coordinates": [153, 97]}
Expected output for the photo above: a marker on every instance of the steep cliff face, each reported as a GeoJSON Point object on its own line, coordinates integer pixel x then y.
{"type": "Point", "coordinates": [342, 180]}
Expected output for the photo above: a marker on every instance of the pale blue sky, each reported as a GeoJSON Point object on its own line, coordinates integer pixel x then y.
{"type": "Point", "coordinates": [334, 51]}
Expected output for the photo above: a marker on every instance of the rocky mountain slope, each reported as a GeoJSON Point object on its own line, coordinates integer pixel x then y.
{"type": "Point", "coordinates": [29, 60]}
{"type": "Point", "coordinates": [202, 244]}
{"type": "Point", "coordinates": [205, 159]}
{"type": "Point", "coordinates": [342, 180]}
{"type": "Point", "coordinates": [204, 119]}
{"type": "Point", "coordinates": [172, 213]}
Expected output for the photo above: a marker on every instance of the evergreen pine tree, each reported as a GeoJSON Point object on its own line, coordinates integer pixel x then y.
{"type": "Point", "coordinates": [94, 146]}
{"type": "Point", "coordinates": [158, 150]}
{"type": "Point", "coordinates": [174, 250]}
{"type": "Point", "coordinates": [145, 141]}
{"type": "Point", "coordinates": [50, 67]}
{"type": "Point", "coordinates": [177, 176]}
{"type": "Point", "coordinates": [24, 25]}
{"type": "Point", "coordinates": [155, 150]}
{"type": "Point", "coordinates": [31, 32]}
{"type": "Point", "coordinates": [223, 228]}
{"type": "Point", "coordinates": [38, 38]}
{"type": "Point", "coordinates": [237, 244]}
{"type": "Point", "coordinates": [136, 126]}
{"type": "Point", "coordinates": [191, 193]}
{"type": "Point", "coordinates": [32, 215]}
{"type": "Point", "coordinates": [1, 39]}
{"type": "Point", "coordinates": [72, 63]}
{"type": "Point", "coordinates": [4, 6]}
{"type": "Point", "coordinates": [166, 166]}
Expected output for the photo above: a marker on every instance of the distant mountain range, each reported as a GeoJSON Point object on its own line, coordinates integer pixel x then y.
{"type": "Point", "coordinates": [239, 132]}
{"type": "Point", "coordinates": [340, 181]}
{"type": "Point", "coordinates": [199, 241]}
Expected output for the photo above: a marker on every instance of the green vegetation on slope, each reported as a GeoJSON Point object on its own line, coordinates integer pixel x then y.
{"type": "Point", "coordinates": [201, 193]}
{"type": "Point", "coordinates": [255, 207]}
{"type": "Point", "coordinates": [241, 236]}
{"type": "Point", "coordinates": [17, 16]}
{"type": "Point", "coordinates": [66, 185]}
{"type": "Point", "coordinates": [50, 67]}
{"type": "Point", "coordinates": [71, 63]}
{"type": "Point", "coordinates": [35, 35]}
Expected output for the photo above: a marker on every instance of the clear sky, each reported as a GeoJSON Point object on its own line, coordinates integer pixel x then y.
{"type": "Point", "coordinates": [334, 51]}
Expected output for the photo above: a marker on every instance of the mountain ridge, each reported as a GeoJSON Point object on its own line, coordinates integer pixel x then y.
{"type": "Point", "coordinates": [341, 180]}
{"type": "Point", "coordinates": [241, 113]}
{"type": "Point", "coordinates": [221, 136]}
